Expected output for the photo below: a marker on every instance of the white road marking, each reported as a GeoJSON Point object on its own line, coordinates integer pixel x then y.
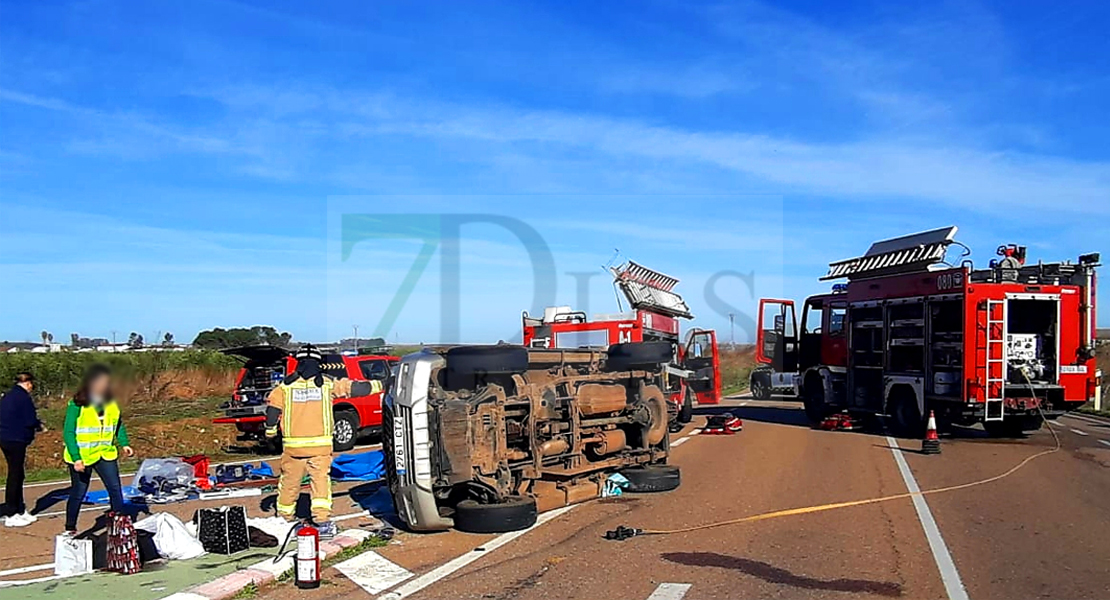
{"type": "Point", "coordinates": [670, 591]}
{"type": "Point", "coordinates": [1104, 442]}
{"type": "Point", "coordinates": [373, 572]}
{"type": "Point", "coordinates": [4, 584]}
{"type": "Point", "coordinates": [953, 585]}
{"type": "Point", "coordinates": [1087, 419]}
{"type": "Point", "coordinates": [679, 442]}
{"type": "Point", "coordinates": [22, 570]}
{"type": "Point", "coordinates": [447, 569]}
{"type": "Point", "coordinates": [1079, 432]}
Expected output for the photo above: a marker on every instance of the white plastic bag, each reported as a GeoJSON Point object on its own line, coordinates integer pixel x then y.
{"type": "Point", "coordinates": [174, 470]}
{"type": "Point", "coordinates": [171, 537]}
{"type": "Point", "coordinates": [72, 556]}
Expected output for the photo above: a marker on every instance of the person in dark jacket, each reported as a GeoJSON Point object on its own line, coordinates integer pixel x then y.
{"type": "Point", "coordinates": [19, 421]}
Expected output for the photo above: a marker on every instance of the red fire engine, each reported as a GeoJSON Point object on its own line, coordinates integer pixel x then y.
{"type": "Point", "coordinates": [909, 333]}
{"type": "Point", "coordinates": [694, 376]}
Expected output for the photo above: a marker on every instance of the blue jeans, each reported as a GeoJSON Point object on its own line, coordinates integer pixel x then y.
{"type": "Point", "coordinates": [108, 470]}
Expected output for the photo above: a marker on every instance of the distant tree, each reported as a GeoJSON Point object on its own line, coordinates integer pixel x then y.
{"type": "Point", "coordinates": [75, 340]}
{"type": "Point", "coordinates": [219, 338]}
{"type": "Point", "coordinates": [45, 337]}
{"type": "Point", "coordinates": [167, 340]}
{"type": "Point", "coordinates": [135, 340]}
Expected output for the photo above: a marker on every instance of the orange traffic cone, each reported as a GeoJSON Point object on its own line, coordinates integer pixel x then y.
{"type": "Point", "coordinates": [931, 444]}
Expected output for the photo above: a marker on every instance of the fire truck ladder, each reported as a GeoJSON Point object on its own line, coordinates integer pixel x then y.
{"type": "Point", "coordinates": [995, 400]}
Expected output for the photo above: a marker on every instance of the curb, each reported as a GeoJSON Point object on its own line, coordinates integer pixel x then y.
{"type": "Point", "coordinates": [265, 572]}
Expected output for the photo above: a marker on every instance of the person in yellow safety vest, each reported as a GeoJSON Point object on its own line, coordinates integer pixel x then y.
{"type": "Point", "coordinates": [92, 430]}
{"type": "Point", "coordinates": [302, 404]}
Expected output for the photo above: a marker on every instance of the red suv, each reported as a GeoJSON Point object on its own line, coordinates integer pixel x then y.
{"type": "Point", "coordinates": [266, 366]}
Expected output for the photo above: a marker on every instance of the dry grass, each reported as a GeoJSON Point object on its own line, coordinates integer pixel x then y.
{"type": "Point", "coordinates": [736, 366]}
{"type": "Point", "coordinates": [167, 414]}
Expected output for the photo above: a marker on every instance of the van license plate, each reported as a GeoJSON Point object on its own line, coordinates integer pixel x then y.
{"type": "Point", "coordinates": [399, 444]}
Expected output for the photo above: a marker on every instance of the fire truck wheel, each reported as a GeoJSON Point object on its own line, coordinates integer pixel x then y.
{"type": "Point", "coordinates": [908, 422]}
{"type": "Point", "coordinates": [760, 391]}
{"type": "Point", "coordinates": [686, 413]}
{"type": "Point", "coordinates": [513, 514]}
{"type": "Point", "coordinates": [643, 355]}
{"type": "Point", "coordinates": [813, 398]}
{"type": "Point", "coordinates": [652, 478]}
{"type": "Point", "coordinates": [346, 431]}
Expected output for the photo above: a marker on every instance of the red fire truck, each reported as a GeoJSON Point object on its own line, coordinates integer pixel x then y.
{"type": "Point", "coordinates": [266, 366]}
{"type": "Point", "coordinates": [693, 376]}
{"type": "Point", "coordinates": [1005, 346]}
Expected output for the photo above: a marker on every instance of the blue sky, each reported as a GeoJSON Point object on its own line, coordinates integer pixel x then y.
{"type": "Point", "coordinates": [178, 166]}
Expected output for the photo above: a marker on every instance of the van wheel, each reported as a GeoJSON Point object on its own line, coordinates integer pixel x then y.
{"type": "Point", "coordinates": [467, 366]}
{"type": "Point", "coordinates": [513, 514]}
{"type": "Point", "coordinates": [652, 478]}
{"type": "Point", "coordinates": [686, 413]}
{"type": "Point", "coordinates": [346, 431]}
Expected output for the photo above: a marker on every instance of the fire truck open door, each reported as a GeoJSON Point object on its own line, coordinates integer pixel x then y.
{"type": "Point", "coordinates": [701, 358]}
{"type": "Point", "coordinates": [777, 339]}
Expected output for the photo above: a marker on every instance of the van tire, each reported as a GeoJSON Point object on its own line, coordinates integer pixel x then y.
{"type": "Point", "coordinates": [638, 355]}
{"type": "Point", "coordinates": [652, 479]}
{"type": "Point", "coordinates": [345, 432]}
{"type": "Point", "coordinates": [513, 514]}
{"type": "Point", "coordinates": [467, 366]}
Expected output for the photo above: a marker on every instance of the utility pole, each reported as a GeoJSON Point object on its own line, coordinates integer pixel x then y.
{"type": "Point", "coordinates": [732, 328]}
{"type": "Point", "coordinates": [113, 338]}
{"type": "Point", "coordinates": [356, 337]}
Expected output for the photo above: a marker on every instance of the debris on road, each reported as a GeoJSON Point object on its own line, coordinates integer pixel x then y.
{"type": "Point", "coordinates": [726, 424]}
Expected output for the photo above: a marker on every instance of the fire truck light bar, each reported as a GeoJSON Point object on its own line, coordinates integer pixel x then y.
{"type": "Point", "coordinates": [905, 254]}
{"type": "Point", "coordinates": [650, 290]}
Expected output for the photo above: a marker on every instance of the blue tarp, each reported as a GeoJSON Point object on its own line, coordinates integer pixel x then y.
{"type": "Point", "coordinates": [363, 466]}
{"type": "Point", "coordinates": [101, 496]}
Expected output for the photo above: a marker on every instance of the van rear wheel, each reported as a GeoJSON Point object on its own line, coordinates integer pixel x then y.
{"type": "Point", "coordinates": [512, 514]}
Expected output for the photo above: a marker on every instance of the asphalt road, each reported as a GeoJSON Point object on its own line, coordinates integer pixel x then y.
{"type": "Point", "coordinates": [1041, 532]}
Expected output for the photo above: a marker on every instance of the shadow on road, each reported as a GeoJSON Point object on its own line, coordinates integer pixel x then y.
{"type": "Point", "coordinates": [772, 574]}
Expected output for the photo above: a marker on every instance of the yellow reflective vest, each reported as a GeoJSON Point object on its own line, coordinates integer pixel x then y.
{"type": "Point", "coordinates": [96, 435]}
{"type": "Point", "coordinates": [306, 414]}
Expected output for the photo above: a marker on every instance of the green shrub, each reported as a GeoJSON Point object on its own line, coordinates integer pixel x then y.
{"type": "Point", "coordinates": [59, 373]}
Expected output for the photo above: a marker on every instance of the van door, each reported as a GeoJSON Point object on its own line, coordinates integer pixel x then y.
{"type": "Point", "coordinates": [703, 359]}
{"type": "Point", "coordinates": [777, 338]}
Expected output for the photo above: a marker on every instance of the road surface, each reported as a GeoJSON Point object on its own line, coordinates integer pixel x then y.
{"type": "Point", "coordinates": [1041, 532]}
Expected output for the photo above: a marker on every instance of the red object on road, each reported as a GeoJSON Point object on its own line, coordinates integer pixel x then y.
{"type": "Point", "coordinates": [726, 424]}
{"type": "Point", "coordinates": [841, 421]}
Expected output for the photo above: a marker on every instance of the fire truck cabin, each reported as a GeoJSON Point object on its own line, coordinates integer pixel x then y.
{"type": "Point", "coordinates": [1005, 346]}
{"type": "Point", "coordinates": [694, 375]}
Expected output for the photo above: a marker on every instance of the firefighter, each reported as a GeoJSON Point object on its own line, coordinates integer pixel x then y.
{"type": "Point", "coordinates": [302, 404]}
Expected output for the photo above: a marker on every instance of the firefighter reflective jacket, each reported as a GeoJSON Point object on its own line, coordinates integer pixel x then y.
{"type": "Point", "coordinates": [307, 423]}
{"type": "Point", "coordinates": [306, 414]}
{"type": "Point", "coordinates": [96, 435]}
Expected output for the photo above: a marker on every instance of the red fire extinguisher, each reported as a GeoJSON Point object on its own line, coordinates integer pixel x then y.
{"type": "Point", "coordinates": [308, 558]}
